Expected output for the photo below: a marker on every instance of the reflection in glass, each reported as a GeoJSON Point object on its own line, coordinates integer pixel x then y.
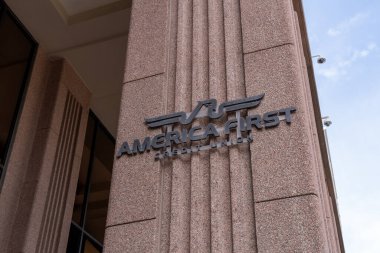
{"type": "Point", "coordinates": [93, 188]}
{"type": "Point", "coordinates": [100, 186]}
{"type": "Point", "coordinates": [90, 248]}
{"type": "Point", "coordinates": [81, 186]}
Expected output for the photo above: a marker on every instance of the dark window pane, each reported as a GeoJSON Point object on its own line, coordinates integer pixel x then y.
{"type": "Point", "coordinates": [100, 186]}
{"type": "Point", "coordinates": [83, 173]}
{"type": "Point", "coordinates": [74, 240]}
{"type": "Point", "coordinates": [91, 200]}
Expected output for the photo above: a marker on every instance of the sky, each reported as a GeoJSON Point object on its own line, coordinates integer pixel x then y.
{"type": "Point", "coordinates": [347, 34]}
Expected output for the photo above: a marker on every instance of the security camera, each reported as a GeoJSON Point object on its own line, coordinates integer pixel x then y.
{"type": "Point", "coordinates": [321, 60]}
{"type": "Point", "coordinates": [328, 123]}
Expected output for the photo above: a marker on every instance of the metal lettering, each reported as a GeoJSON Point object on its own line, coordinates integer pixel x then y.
{"type": "Point", "coordinates": [231, 124]}
{"type": "Point", "coordinates": [195, 137]}
{"type": "Point", "coordinates": [124, 149]}
{"type": "Point", "coordinates": [254, 120]}
{"type": "Point", "coordinates": [287, 112]}
{"type": "Point", "coordinates": [271, 119]}
{"type": "Point", "coordinates": [138, 147]}
{"type": "Point", "coordinates": [172, 136]}
{"type": "Point", "coordinates": [159, 141]}
{"type": "Point", "coordinates": [206, 108]}
{"type": "Point", "coordinates": [210, 130]}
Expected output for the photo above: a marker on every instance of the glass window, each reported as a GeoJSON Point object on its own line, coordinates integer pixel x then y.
{"type": "Point", "coordinates": [99, 191]}
{"type": "Point", "coordinates": [17, 50]}
{"type": "Point", "coordinates": [93, 188]}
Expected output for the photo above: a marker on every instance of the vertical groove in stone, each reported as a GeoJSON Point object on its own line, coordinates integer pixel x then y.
{"type": "Point", "coordinates": [62, 178]}
{"type": "Point", "coordinates": [171, 56]}
{"type": "Point", "coordinates": [243, 225]}
{"type": "Point", "coordinates": [58, 188]}
{"type": "Point", "coordinates": [48, 213]}
{"type": "Point", "coordinates": [200, 231]}
{"type": "Point", "coordinates": [67, 167]}
{"type": "Point", "coordinates": [221, 230]}
{"type": "Point", "coordinates": [63, 175]}
{"type": "Point", "coordinates": [181, 184]}
{"type": "Point", "coordinates": [166, 166]}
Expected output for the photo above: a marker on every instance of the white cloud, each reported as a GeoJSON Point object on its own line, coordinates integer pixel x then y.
{"type": "Point", "coordinates": [331, 72]}
{"type": "Point", "coordinates": [348, 24]}
{"type": "Point", "coordinates": [372, 46]}
{"type": "Point", "coordinates": [357, 54]}
{"type": "Point", "coordinates": [339, 68]}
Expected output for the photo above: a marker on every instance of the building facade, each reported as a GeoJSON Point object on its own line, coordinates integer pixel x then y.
{"type": "Point", "coordinates": [161, 126]}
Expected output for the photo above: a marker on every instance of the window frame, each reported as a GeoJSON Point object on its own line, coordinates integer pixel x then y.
{"type": "Point", "coordinates": [98, 125]}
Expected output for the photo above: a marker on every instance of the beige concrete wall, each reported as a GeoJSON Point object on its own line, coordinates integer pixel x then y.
{"type": "Point", "coordinates": [39, 187]}
{"type": "Point", "coordinates": [269, 196]}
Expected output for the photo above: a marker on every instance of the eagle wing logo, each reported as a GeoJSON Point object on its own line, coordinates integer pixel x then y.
{"type": "Point", "coordinates": [212, 111]}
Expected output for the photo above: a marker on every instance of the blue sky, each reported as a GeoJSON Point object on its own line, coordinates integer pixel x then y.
{"type": "Point", "coordinates": [347, 33]}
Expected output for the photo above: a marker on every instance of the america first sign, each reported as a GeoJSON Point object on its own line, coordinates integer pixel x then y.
{"type": "Point", "coordinates": [179, 137]}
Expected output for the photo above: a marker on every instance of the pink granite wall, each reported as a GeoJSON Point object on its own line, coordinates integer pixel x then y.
{"type": "Point", "coordinates": [39, 187]}
{"type": "Point", "coordinates": [268, 196]}
{"type": "Point", "coordinates": [21, 151]}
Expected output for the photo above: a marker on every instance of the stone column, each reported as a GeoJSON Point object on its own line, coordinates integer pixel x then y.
{"type": "Point", "coordinates": [37, 199]}
{"type": "Point", "coordinates": [288, 201]}
{"type": "Point", "coordinates": [258, 197]}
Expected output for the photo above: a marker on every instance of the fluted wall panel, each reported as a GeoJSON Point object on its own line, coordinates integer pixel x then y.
{"type": "Point", "coordinates": [181, 181]}
{"type": "Point", "coordinates": [61, 174]}
{"type": "Point", "coordinates": [221, 222]}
